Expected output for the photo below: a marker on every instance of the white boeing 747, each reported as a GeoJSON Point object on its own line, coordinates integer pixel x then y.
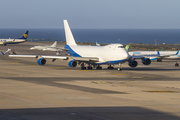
{"type": "Point", "coordinates": [15, 40]}
{"type": "Point", "coordinates": [89, 57]}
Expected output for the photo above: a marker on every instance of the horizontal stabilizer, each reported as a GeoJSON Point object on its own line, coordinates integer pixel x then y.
{"type": "Point", "coordinates": [2, 53]}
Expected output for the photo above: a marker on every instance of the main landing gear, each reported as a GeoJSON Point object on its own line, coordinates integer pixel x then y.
{"type": "Point", "coordinates": [110, 67]}
{"type": "Point", "coordinates": [177, 64]}
{"type": "Point", "coordinates": [83, 67]}
{"type": "Point", "coordinates": [119, 67]}
{"type": "Point", "coordinates": [159, 60]}
{"type": "Point", "coordinates": [98, 67]}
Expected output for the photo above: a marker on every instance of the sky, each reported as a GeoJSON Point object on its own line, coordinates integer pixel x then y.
{"type": "Point", "coordinates": [90, 14]}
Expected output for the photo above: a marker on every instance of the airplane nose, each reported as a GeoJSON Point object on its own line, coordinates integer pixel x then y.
{"type": "Point", "coordinates": [126, 55]}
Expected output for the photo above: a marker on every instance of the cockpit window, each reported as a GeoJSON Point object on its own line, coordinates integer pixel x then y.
{"type": "Point", "coordinates": [120, 46]}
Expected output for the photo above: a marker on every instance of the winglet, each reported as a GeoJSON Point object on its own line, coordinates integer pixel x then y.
{"type": "Point", "coordinates": [2, 53]}
{"type": "Point", "coordinates": [177, 52]}
{"type": "Point", "coordinates": [69, 36]}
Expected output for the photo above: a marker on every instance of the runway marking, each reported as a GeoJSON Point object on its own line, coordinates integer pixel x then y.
{"type": "Point", "coordinates": [154, 91]}
{"type": "Point", "coordinates": [136, 77]}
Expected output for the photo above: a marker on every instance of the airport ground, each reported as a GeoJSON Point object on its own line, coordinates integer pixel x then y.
{"type": "Point", "coordinates": [56, 91]}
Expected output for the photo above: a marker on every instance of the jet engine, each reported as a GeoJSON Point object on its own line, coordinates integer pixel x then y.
{"type": "Point", "coordinates": [133, 63]}
{"type": "Point", "coordinates": [146, 61]}
{"type": "Point", "coordinates": [72, 63]}
{"type": "Point", "coordinates": [41, 61]}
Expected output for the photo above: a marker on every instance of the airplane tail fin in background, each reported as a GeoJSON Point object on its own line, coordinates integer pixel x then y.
{"type": "Point", "coordinates": [25, 35]}
{"type": "Point", "coordinates": [127, 47]}
{"type": "Point", "coordinates": [69, 36]}
{"type": "Point", "coordinates": [54, 44]}
{"type": "Point", "coordinates": [97, 44]}
{"type": "Point", "coordinates": [177, 52]}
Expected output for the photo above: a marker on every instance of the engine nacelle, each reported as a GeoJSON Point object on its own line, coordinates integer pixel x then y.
{"type": "Point", "coordinates": [41, 61]}
{"type": "Point", "coordinates": [133, 63]}
{"type": "Point", "coordinates": [72, 63]}
{"type": "Point", "coordinates": [146, 61]}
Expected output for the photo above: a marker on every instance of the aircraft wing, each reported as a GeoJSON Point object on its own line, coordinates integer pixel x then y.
{"type": "Point", "coordinates": [83, 59]}
{"type": "Point", "coordinates": [95, 59]}
{"type": "Point", "coordinates": [37, 56]}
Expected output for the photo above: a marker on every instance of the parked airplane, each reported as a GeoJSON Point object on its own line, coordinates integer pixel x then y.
{"type": "Point", "coordinates": [163, 54]}
{"type": "Point", "coordinates": [15, 40]}
{"type": "Point", "coordinates": [92, 56]}
{"type": "Point", "coordinates": [49, 48]}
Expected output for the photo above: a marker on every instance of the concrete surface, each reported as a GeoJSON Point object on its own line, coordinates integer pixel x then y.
{"type": "Point", "coordinates": [57, 92]}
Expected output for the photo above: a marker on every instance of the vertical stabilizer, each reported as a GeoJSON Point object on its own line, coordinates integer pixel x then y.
{"type": "Point", "coordinates": [54, 44]}
{"type": "Point", "coordinates": [25, 35]}
{"type": "Point", "coordinates": [69, 37]}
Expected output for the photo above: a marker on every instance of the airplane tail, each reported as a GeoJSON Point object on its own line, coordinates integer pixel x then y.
{"type": "Point", "coordinates": [69, 36]}
{"type": "Point", "coordinates": [25, 35]}
{"type": "Point", "coordinates": [177, 52]}
{"type": "Point", "coordinates": [54, 44]}
{"type": "Point", "coordinates": [127, 47]}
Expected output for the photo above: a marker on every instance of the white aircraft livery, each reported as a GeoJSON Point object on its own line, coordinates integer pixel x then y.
{"type": "Point", "coordinates": [163, 54]}
{"type": "Point", "coordinates": [89, 57]}
{"type": "Point", "coordinates": [44, 48]}
{"type": "Point", "coordinates": [49, 48]}
{"type": "Point", "coordinates": [15, 40]}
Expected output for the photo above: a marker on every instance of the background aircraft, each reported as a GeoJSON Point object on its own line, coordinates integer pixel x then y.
{"type": "Point", "coordinates": [92, 56]}
{"type": "Point", "coordinates": [163, 54]}
{"type": "Point", "coordinates": [173, 55]}
{"type": "Point", "coordinates": [15, 40]}
{"type": "Point", "coordinates": [49, 48]}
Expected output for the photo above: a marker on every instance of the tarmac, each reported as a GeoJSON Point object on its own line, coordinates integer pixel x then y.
{"type": "Point", "coordinates": [56, 91]}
